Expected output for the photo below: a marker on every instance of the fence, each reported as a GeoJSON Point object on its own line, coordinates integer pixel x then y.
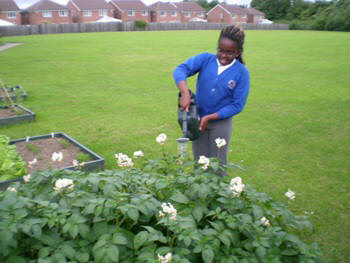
{"type": "Point", "coordinates": [117, 26]}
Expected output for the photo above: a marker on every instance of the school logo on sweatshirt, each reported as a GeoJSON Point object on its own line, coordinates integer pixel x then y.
{"type": "Point", "coordinates": [231, 84]}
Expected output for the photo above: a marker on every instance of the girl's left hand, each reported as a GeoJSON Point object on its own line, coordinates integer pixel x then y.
{"type": "Point", "coordinates": [205, 121]}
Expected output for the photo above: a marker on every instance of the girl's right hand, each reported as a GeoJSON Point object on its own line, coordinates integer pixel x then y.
{"type": "Point", "coordinates": [185, 101]}
{"type": "Point", "coordinates": [185, 98]}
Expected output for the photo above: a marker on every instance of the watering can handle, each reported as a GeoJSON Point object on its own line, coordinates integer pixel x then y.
{"type": "Point", "coordinates": [184, 123]}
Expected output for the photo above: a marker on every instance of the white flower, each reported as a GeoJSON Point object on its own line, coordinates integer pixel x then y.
{"type": "Point", "coordinates": [264, 221]}
{"type": "Point", "coordinates": [236, 186]}
{"type": "Point", "coordinates": [161, 138]}
{"type": "Point", "coordinates": [26, 178]}
{"type": "Point", "coordinates": [31, 163]}
{"type": "Point", "coordinates": [290, 194]}
{"type": "Point", "coordinates": [168, 209]}
{"type": "Point", "coordinates": [204, 161]}
{"type": "Point", "coordinates": [167, 258]}
{"type": "Point", "coordinates": [62, 183]}
{"type": "Point", "coordinates": [123, 160]}
{"type": "Point", "coordinates": [220, 142]}
{"type": "Point", "coordinates": [138, 154]}
{"type": "Point", "coordinates": [11, 189]}
{"type": "Point", "coordinates": [57, 157]}
{"type": "Point", "coordinates": [75, 163]}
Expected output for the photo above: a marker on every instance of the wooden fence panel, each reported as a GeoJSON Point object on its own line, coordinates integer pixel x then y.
{"type": "Point", "coordinates": [126, 26]}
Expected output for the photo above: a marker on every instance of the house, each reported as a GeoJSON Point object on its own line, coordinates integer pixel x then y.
{"type": "Point", "coordinates": [224, 13]}
{"type": "Point", "coordinates": [255, 16]}
{"type": "Point", "coordinates": [9, 11]}
{"type": "Point", "coordinates": [189, 11]}
{"type": "Point", "coordinates": [46, 11]}
{"type": "Point", "coordinates": [89, 10]}
{"type": "Point", "coordinates": [130, 10]}
{"type": "Point", "coordinates": [164, 12]}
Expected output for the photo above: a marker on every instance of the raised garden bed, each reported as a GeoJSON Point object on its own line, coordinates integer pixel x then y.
{"type": "Point", "coordinates": [9, 116]}
{"type": "Point", "coordinates": [42, 148]}
{"type": "Point", "coordinates": [14, 92]}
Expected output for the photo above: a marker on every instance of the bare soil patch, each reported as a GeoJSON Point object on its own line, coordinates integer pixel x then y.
{"type": "Point", "coordinates": [6, 112]}
{"type": "Point", "coordinates": [43, 149]}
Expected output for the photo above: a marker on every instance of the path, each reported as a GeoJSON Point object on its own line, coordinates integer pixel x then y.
{"type": "Point", "coordinates": [8, 45]}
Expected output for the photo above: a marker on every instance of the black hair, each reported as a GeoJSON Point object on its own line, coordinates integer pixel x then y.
{"type": "Point", "coordinates": [235, 34]}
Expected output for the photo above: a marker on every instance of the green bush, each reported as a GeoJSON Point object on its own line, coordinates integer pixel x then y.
{"type": "Point", "coordinates": [299, 25]}
{"type": "Point", "coordinates": [319, 23]}
{"type": "Point", "coordinates": [143, 214]}
{"type": "Point", "coordinates": [140, 24]}
{"type": "Point", "coordinates": [11, 164]}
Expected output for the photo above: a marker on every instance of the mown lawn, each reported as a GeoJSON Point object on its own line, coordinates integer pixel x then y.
{"type": "Point", "coordinates": [114, 92]}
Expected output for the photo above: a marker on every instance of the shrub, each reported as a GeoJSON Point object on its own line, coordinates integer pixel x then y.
{"type": "Point", "coordinates": [299, 25]}
{"type": "Point", "coordinates": [140, 24]}
{"type": "Point", "coordinates": [11, 164]}
{"type": "Point", "coordinates": [162, 211]}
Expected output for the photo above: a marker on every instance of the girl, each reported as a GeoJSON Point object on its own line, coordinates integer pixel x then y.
{"type": "Point", "coordinates": [221, 92]}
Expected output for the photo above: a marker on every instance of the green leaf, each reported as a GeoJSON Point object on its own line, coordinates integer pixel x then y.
{"type": "Point", "coordinates": [180, 198]}
{"type": "Point", "coordinates": [100, 228]}
{"type": "Point", "coordinates": [140, 239]}
{"type": "Point", "coordinates": [198, 213]}
{"type": "Point", "coordinates": [207, 255]}
{"type": "Point", "coordinates": [261, 251]}
{"type": "Point", "coordinates": [224, 239]}
{"type": "Point", "coordinates": [113, 253]}
{"type": "Point", "coordinates": [84, 231]}
{"type": "Point", "coordinates": [133, 214]}
{"type": "Point", "coordinates": [68, 251]}
{"type": "Point", "coordinates": [120, 239]}
{"type": "Point", "coordinates": [44, 252]}
{"type": "Point", "coordinates": [82, 257]}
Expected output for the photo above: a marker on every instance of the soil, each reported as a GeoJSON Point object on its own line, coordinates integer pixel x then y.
{"type": "Point", "coordinates": [5, 113]}
{"type": "Point", "coordinates": [46, 148]}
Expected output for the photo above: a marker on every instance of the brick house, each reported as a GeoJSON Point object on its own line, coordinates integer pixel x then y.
{"type": "Point", "coordinates": [164, 12]}
{"type": "Point", "coordinates": [255, 16]}
{"type": "Point", "coordinates": [130, 10]}
{"type": "Point", "coordinates": [46, 11]}
{"type": "Point", "coordinates": [9, 11]}
{"type": "Point", "coordinates": [83, 11]}
{"type": "Point", "coordinates": [190, 10]}
{"type": "Point", "coordinates": [224, 13]}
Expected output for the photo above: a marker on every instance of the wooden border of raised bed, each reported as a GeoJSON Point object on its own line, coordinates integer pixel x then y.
{"type": "Point", "coordinates": [30, 116]}
{"type": "Point", "coordinates": [97, 164]}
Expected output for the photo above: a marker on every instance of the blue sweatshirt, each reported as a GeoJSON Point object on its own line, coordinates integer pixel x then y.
{"type": "Point", "coordinates": [224, 94]}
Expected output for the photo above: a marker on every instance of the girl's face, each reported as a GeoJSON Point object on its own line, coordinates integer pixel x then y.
{"type": "Point", "coordinates": [227, 51]}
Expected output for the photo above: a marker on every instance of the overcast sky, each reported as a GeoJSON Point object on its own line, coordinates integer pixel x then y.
{"type": "Point", "coordinates": [26, 3]}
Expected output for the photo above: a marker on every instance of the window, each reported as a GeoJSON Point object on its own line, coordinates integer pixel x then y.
{"type": "Point", "coordinates": [201, 14]}
{"type": "Point", "coordinates": [173, 13]}
{"type": "Point", "coordinates": [234, 16]}
{"type": "Point", "coordinates": [244, 16]}
{"type": "Point", "coordinates": [87, 13]}
{"type": "Point", "coordinates": [144, 13]}
{"type": "Point", "coordinates": [221, 15]}
{"type": "Point", "coordinates": [102, 12]}
{"type": "Point", "coordinates": [162, 13]}
{"type": "Point", "coordinates": [186, 14]}
{"type": "Point", "coordinates": [47, 13]}
{"type": "Point", "coordinates": [62, 13]}
{"type": "Point", "coordinates": [11, 14]}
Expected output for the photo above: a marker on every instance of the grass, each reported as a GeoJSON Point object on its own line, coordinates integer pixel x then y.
{"type": "Point", "coordinates": [114, 92]}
